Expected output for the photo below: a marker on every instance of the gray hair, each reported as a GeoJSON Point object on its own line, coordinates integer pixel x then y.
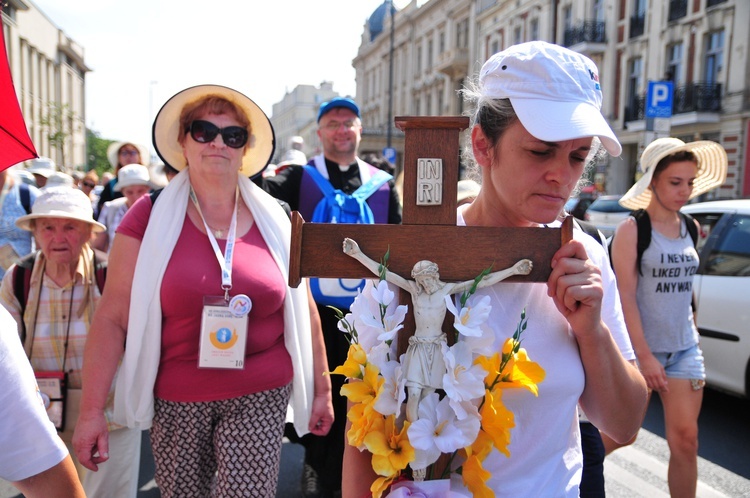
{"type": "Point", "coordinates": [494, 116]}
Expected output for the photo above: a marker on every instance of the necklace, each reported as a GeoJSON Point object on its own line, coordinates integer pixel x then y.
{"type": "Point", "coordinates": [219, 232]}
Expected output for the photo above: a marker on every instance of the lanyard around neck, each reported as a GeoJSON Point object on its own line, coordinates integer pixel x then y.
{"type": "Point", "coordinates": [225, 260]}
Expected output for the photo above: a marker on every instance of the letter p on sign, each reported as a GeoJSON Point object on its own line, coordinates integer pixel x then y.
{"type": "Point", "coordinates": [659, 99]}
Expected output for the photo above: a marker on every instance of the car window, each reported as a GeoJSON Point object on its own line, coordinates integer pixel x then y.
{"type": "Point", "coordinates": [608, 206]}
{"type": "Point", "coordinates": [707, 222]}
{"type": "Point", "coordinates": [731, 255]}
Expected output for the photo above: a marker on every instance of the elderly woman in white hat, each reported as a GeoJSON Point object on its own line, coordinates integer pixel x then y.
{"type": "Point", "coordinates": [121, 154]}
{"type": "Point", "coordinates": [214, 340]}
{"type": "Point", "coordinates": [133, 182]}
{"type": "Point", "coordinates": [656, 287]}
{"type": "Point", "coordinates": [52, 294]}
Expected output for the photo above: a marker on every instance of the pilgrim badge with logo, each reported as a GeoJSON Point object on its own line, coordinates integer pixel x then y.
{"type": "Point", "coordinates": [223, 333]}
{"type": "Point", "coordinates": [240, 305]}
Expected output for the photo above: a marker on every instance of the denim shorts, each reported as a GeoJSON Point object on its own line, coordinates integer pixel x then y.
{"type": "Point", "coordinates": [685, 364]}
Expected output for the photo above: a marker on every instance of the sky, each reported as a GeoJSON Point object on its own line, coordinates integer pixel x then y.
{"type": "Point", "coordinates": [141, 52]}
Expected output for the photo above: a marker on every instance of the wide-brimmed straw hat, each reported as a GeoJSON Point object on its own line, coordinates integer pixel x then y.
{"type": "Point", "coordinates": [555, 92]}
{"type": "Point", "coordinates": [133, 174]}
{"type": "Point", "coordinates": [61, 202]}
{"type": "Point", "coordinates": [113, 152]}
{"type": "Point", "coordinates": [260, 144]}
{"type": "Point", "coordinates": [712, 168]}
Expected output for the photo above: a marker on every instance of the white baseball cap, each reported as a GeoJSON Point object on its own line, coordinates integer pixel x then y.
{"type": "Point", "coordinates": [554, 91]}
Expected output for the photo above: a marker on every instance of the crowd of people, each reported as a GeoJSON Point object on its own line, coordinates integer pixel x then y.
{"type": "Point", "coordinates": [197, 336]}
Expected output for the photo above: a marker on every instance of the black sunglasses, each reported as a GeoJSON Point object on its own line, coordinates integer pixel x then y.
{"type": "Point", "coordinates": [205, 132]}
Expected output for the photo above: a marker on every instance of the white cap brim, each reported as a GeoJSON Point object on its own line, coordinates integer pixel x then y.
{"type": "Point", "coordinates": [556, 121]}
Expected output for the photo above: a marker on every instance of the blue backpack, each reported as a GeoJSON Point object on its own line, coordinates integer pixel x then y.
{"type": "Point", "coordinates": [338, 207]}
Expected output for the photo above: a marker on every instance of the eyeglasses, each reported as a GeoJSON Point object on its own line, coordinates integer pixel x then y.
{"type": "Point", "coordinates": [205, 132]}
{"type": "Point", "coordinates": [128, 152]}
{"type": "Point", "coordinates": [89, 185]}
{"type": "Point", "coordinates": [335, 125]}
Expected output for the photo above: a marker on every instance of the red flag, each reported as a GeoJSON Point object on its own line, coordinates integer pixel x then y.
{"type": "Point", "coordinates": [15, 142]}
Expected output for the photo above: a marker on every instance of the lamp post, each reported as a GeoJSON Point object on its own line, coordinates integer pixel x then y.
{"type": "Point", "coordinates": [390, 75]}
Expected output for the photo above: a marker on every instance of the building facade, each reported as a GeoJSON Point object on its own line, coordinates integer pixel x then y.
{"type": "Point", "coordinates": [700, 46]}
{"type": "Point", "coordinates": [294, 114]}
{"type": "Point", "coordinates": [48, 70]}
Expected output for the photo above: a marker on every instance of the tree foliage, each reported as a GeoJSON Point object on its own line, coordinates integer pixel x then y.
{"type": "Point", "coordinates": [96, 152]}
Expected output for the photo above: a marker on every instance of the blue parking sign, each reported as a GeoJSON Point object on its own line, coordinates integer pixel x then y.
{"type": "Point", "coordinates": [390, 154]}
{"type": "Point", "coordinates": [659, 99]}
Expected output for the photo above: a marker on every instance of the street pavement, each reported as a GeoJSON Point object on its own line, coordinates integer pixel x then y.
{"type": "Point", "coordinates": [639, 470]}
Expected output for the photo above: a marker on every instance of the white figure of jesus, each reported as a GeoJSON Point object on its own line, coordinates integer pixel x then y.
{"type": "Point", "coordinates": [424, 365]}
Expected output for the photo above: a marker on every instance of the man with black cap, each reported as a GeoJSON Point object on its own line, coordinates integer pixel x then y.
{"type": "Point", "coordinates": [340, 132]}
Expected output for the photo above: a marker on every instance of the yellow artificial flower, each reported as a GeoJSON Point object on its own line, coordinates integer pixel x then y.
{"type": "Point", "coordinates": [522, 372]}
{"type": "Point", "coordinates": [475, 477]}
{"type": "Point", "coordinates": [497, 421]}
{"type": "Point", "coordinates": [380, 486]}
{"type": "Point", "coordinates": [366, 390]}
{"type": "Point", "coordinates": [390, 448]}
{"type": "Point", "coordinates": [492, 365]}
{"type": "Point", "coordinates": [364, 420]}
{"type": "Point", "coordinates": [356, 358]}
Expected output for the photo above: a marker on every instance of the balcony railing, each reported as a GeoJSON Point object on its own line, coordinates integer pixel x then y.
{"type": "Point", "coordinates": [636, 109]}
{"type": "Point", "coordinates": [694, 97]}
{"type": "Point", "coordinates": [697, 97]}
{"type": "Point", "coordinates": [677, 9]}
{"type": "Point", "coordinates": [585, 32]}
{"type": "Point", "coordinates": [637, 24]}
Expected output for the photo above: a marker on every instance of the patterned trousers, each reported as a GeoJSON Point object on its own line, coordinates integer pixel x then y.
{"type": "Point", "coordinates": [226, 448]}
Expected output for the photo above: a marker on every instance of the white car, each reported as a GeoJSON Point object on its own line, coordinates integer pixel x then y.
{"type": "Point", "coordinates": [722, 289]}
{"type": "Point", "coordinates": [606, 213]}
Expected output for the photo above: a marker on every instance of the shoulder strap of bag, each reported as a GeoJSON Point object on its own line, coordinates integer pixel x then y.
{"type": "Point", "coordinates": [21, 285]}
{"type": "Point", "coordinates": [591, 230]}
{"type": "Point", "coordinates": [691, 228]}
{"type": "Point", "coordinates": [323, 184]}
{"type": "Point", "coordinates": [376, 181]}
{"type": "Point", "coordinates": [25, 196]}
{"type": "Point", "coordinates": [643, 223]}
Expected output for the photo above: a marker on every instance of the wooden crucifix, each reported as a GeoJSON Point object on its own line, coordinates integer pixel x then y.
{"type": "Point", "coordinates": [429, 230]}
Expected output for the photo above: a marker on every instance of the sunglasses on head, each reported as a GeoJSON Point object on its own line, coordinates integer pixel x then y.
{"type": "Point", "coordinates": [205, 132]}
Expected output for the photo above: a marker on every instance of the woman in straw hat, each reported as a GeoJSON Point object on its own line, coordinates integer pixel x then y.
{"type": "Point", "coordinates": [656, 292]}
{"type": "Point", "coordinates": [215, 341]}
{"type": "Point", "coordinates": [531, 139]}
{"type": "Point", "coordinates": [54, 310]}
{"type": "Point", "coordinates": [121, 154]}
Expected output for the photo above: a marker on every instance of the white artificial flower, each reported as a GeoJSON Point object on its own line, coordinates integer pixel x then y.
{"type": "Point", "coordinates": [382, 293]}
{"type": "Point", "coordinates": [437, 431]}
{"type": "Point", "coordinates": [470, 318]}
{"type": "Point", "coordinates": [392, 393]}
{"type": "Point", "coordinates": [463, 381]}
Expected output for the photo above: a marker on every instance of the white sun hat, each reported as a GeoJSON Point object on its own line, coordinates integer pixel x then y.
{"type": "Point", "coordinates": [61, 202]}
{"type": "Point", "coordinates": [554, 91]}
{"type": "Point", "coordinates": [712, 168]}
{"type": "Point", "coordinates": [260, 144]}
{"type": "Point", "coordinates": [133, 174]}
{"type": "Point", "coordinates": [43, 166]}
{"type": "Point", "coordinates": [113, 152]}
{"type": "Point", "coordinates": [58, 179]}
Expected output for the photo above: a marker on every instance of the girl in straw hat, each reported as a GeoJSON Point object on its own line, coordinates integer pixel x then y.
{"type": "Point", "coordinates": [656, 295]}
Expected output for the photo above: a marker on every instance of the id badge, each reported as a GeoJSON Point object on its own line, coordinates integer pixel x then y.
{"type": "Point", "coordinates": [223, 335]}
{"type": "Point", "coordinates": [52, 390]}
